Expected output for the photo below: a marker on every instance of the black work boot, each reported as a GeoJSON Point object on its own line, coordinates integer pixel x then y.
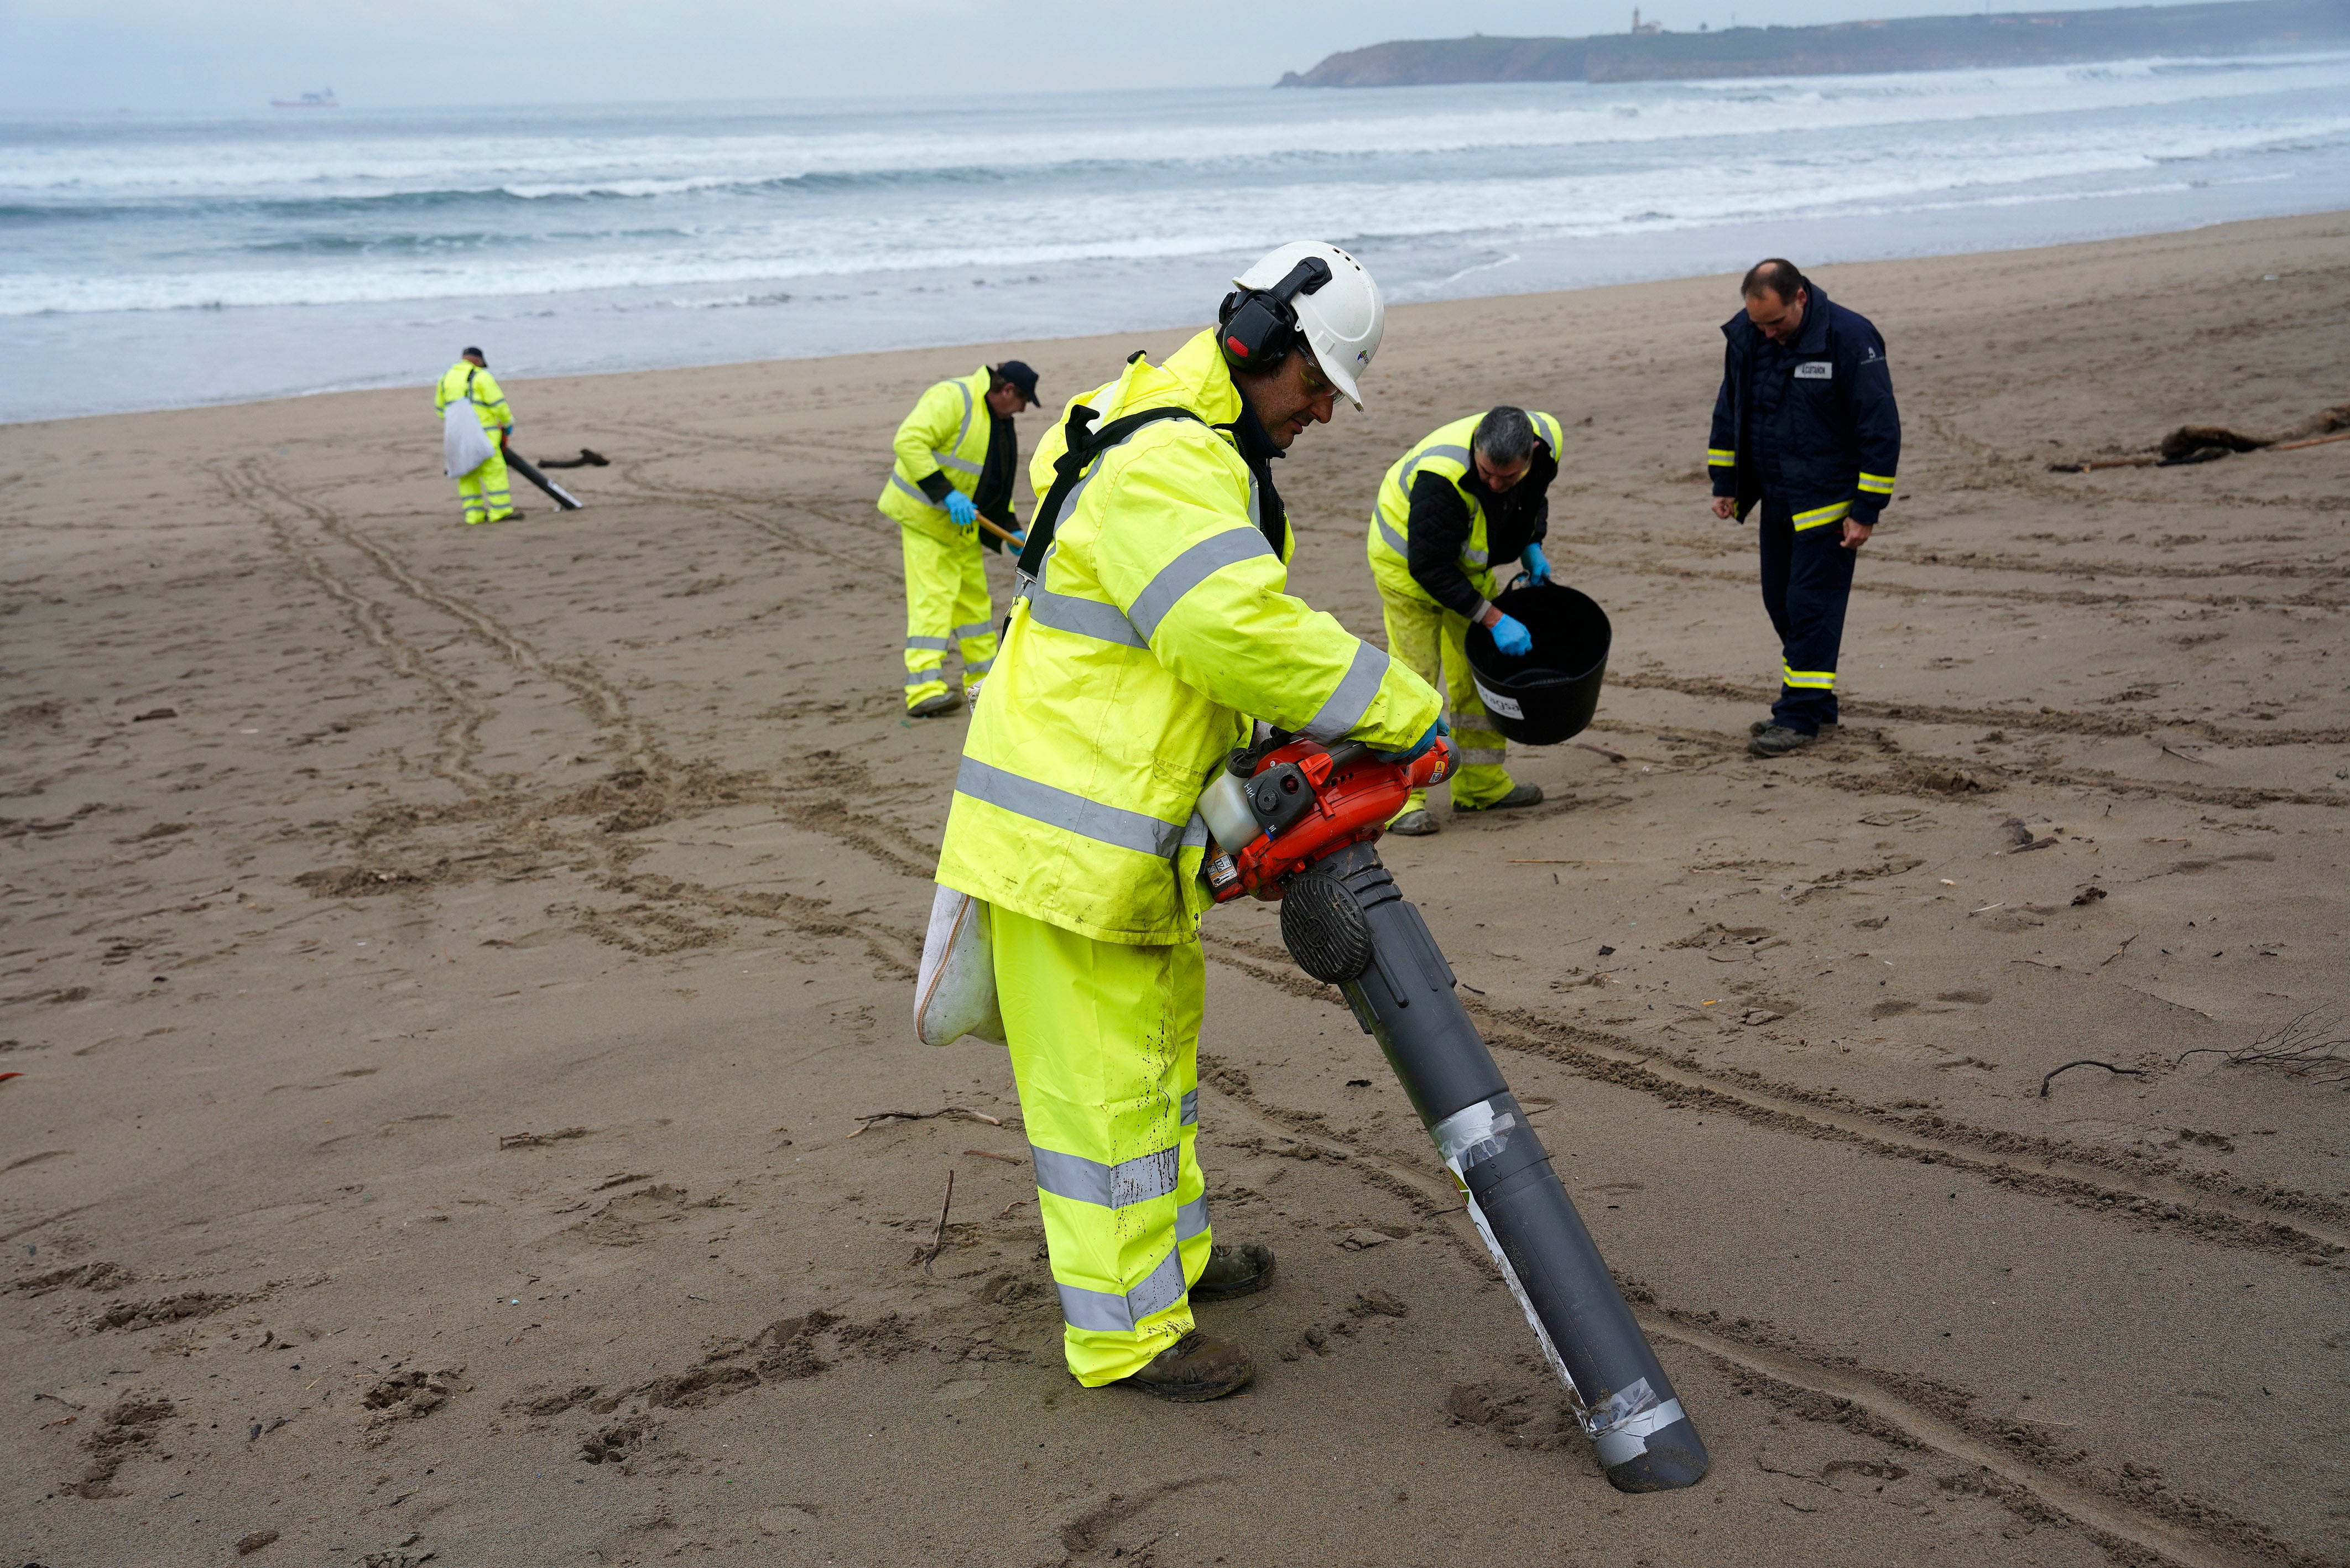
{"type": "Point", "coordinates": [1196, 1368]}
{"type": "Point", "coordinates": [1234, 1269]}
{"type": "Point", "coordinates": [935, 705]}
{"type": "Point", "coordinates": [1777, 740]}
{"type": "Point", "coordinates": [1414, 824]}
{"type": "Point", "coordinates": [1523, 795]}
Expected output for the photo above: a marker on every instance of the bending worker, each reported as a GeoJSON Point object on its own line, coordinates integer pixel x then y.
{"type": "Point", "coordinates": [1805, 424]}
{"type": "Point", "coordinates": [956, 458]}
{"type": "Point", "coordinates": [1473, 492]}
{"type": "Point", "coordinates": [1159, 625]}
{"type": "Point", "coordinates": [481, 488]}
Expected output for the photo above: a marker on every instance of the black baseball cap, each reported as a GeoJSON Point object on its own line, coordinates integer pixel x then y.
{"type": "Point", "coordinates": [475, 354]}
{"type": "Point", "coordinates": [1017, 372]}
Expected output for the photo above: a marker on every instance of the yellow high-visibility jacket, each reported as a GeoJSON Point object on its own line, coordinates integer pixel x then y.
{"type": "Point", "coordinates": [465, 381]}
{"type": "Point", "coordinates": [946, 433]}
{"type": "Point", "coordinates": [1159, 627]}
{"type": "Point", "coordinates": [1444, 450]}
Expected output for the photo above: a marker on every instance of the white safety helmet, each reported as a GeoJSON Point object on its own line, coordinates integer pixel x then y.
{"type": "Point", "coordinates": [1341, 321]}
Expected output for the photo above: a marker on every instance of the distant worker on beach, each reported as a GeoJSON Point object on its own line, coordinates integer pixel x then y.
{"type": "Point", "coordinates": [1160, 624]}
{"type": "Point", "coordinates": [1471, 493]}
{"type": "Point", "coordinates": [474, 456]}
{"type": "Point", "coordinates": [1804, 423]}
{"type": "Point", "coordinates": [956, 458]}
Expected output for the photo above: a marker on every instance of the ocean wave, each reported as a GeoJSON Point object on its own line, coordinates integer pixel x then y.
{"type": "Point", "coordinates": [1791, 181]}
{"type": "Point", "coordinates": [100, 168]}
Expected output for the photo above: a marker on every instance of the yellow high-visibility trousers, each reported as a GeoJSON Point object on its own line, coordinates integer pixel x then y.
{"type": "Point", "coordinates": [1105, 1042]}
{"type": "Point", "coordinates": [947, 605]}
{"type": "Point", "coordinates": [483, 492]}
{"type": "Point", "coordinates": [1432, 642]}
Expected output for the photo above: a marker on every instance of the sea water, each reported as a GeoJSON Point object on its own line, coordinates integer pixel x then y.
{"type": "Point", "coordinates": [149, 261]}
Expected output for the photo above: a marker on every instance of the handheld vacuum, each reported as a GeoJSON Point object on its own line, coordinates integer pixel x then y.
{"type": "Point", "coordinates": [1296, 822]}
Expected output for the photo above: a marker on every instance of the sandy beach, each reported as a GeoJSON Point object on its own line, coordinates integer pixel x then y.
{"type": "Point", "coordinates": [448, 968]}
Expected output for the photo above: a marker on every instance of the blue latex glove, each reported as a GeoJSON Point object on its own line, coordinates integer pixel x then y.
{"type": "Point", "coordinates": [1511, 635]}
{"type": "Point", "coordinates": [959, 508]}
{"type": "Point", "coordinates": [1536, 564]}
{"type": "Point", "coordinates": [1418, 748]}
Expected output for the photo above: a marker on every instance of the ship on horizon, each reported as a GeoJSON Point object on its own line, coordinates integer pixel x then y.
{"type": "Point", "coordinates": [307, 101]}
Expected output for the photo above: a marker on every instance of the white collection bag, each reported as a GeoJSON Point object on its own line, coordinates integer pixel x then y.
{"type": "Point", "coordinates": [464, 444]}
{"type": "Point", "coordinates": [954, 994]}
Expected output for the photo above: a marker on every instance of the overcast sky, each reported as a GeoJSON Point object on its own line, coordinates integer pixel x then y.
{"type": "Point", "coordinates": [202, 54]}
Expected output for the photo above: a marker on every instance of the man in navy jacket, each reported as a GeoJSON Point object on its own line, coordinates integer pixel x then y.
{"type": "Point", "coordinates": [1805, 425]}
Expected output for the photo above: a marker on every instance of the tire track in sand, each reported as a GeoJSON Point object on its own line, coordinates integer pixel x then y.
{"type": "Point", "coordinates": [2013, 1462]}
{"type": "Point", "coordinates": [2298, 1225]}
{"type": "Point", "coordinates": [2043, 720]}
{"type": "Point", "coordinates": [609, 710]}
{"type": "Point", "coordinates": [457, 739]}
{"type": "Point", "coordinates": [605, 707]}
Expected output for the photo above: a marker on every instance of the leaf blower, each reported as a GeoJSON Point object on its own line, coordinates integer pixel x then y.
{"type": "Point", "coordinates": [1297, 823]}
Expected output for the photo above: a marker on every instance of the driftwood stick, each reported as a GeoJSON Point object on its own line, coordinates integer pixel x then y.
{"type": "Point", "coordinates": [870, 1117]}
{"type": "Point", "coordinates": [2086, 1062]}
{"type": "Point", "coordinates": [939, 1239]}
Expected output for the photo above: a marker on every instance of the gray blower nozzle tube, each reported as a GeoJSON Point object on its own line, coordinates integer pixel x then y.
{"type": "Point", "coordinates": [1346, 924]}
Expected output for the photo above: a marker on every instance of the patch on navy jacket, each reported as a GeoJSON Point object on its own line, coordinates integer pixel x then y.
{"type": "Point", "coordinates": [1815, 370]}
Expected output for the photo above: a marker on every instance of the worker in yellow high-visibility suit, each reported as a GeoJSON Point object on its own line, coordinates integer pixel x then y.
{"type": "Point", "coordinates": [484, 491]}
{"type": "Point", "coordinates": [956, 460]}
{"type": "Point", "coordinates": [1159, 627]}
{"type": "Point", "coordinates": [1470, 494]}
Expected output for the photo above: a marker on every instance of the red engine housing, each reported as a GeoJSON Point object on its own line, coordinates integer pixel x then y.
{"type": "Point", "coordinates": [1353, 801]}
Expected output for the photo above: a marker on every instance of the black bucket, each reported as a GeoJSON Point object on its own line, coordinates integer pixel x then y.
{"type": "Point", "coordinates": [1551, 693]}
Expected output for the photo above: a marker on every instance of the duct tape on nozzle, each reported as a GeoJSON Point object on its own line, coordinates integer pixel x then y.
{"type": "Point", "coordinates": [1622, 1424]}
{"type": "Point", "coordinates": [1475, 1134]}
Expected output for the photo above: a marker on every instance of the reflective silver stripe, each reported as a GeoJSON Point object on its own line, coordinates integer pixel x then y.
{"type": "Point", "coordinates": [1483, 756]}
{"type": "Point", "coordinates": [1190, 1118]}
{"type": "Point", "coordinates": [948, 458]}
{"type": "Point", "coordinates": [1458, 454]}
{"type": "Point", "coordinates": [1476, 557]}
{"type": "Point", "coordinates": [1110, 825]}
{"type": "Point", "coordinates": [913, 490]}
{"type": "Point", "coordinates": [1352, 699]}
{"type": "Point", "coordinates": [1095, 1309]}
{"type": "Point", "coordinates": [1188, 571]}
{"type": "Point", "coordinates": [1083, 1181]}
{"type": "Point", "coordinates": [1160, 1289]}
{"type": "Point", "coordinates": [1196, 833]}
{"type": "Point", "coordinates": [923, 677]}
{"type": "Point", "coordinates": [1192, 1220]}
{"type": "Point", "coordinates": [963, 434]}
{"type": "Point", "coordinates": [1547, 428]}
{"type": "Point", "coordinates": [938, 643]}
{"type": "Point", "coordinates": [976, 628]}
{"type": "Point", "coordinates": [981, 667]}
{"type": "Point", "coordinates": [1395, 540]}
{"type": "Point", "coordinates": [1104, 1312]}
{"type": "Point", "coordinates": [1086, 618]}
{"type": "Point", "coordinates": [1475, 1134]}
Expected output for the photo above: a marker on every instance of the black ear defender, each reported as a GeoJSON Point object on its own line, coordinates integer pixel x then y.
{"type": "Point", "coordinates": [1257, 327]}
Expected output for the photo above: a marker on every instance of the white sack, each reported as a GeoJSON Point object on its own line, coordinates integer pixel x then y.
{"type": "Point", "coordinates": [954, 995]}
{"type": "Point", "coordinates": [464, 444]}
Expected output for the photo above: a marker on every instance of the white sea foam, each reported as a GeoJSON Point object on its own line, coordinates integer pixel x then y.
{"type": "Point", "coordinates": [127, 246]}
